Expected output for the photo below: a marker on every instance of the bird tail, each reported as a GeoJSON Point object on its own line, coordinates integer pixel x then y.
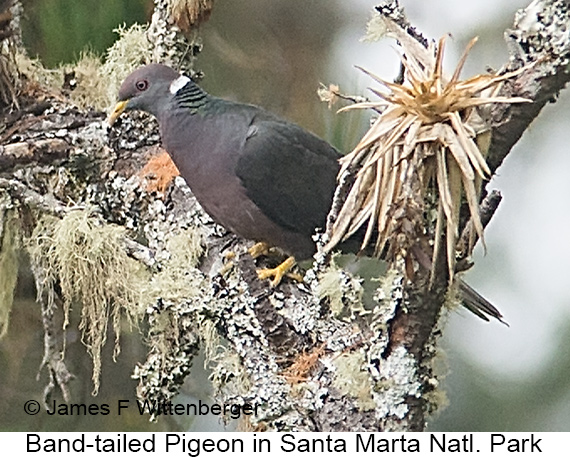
{"type": "Point", "coordinates": [477, 304]}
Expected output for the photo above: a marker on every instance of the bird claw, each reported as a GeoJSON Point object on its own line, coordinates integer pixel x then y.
{"type": "Point", "coordinates": [259, 249]}
{"type": "Point", "coordinates": [278, 272]}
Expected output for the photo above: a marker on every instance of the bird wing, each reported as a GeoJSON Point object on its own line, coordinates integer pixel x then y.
{"type": "Point", "coordinates": [289, 173]}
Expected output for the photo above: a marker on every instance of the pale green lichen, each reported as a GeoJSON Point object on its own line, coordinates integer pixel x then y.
{"type": "Point", "coordinates": [397, 381]}
{"type": "Point", "coordinates": [95, 83]}
{"type": "Point", "coordinates": [9, 261]}
{"type": "Point", "coordinates": [34, 71]}
{"type": "Point", "coordinates": [375, 28]}
{"type": "Point", "coordinates": [438, 368]}
{"type": "Point", "coordinates": [342, 291]}
{"type": "Point", "coordinates": [229, 375]}
{"type": "Point", "coordinates": [89, 88]}
{"type": "Point", "coordinates": [453, 299]}
{"type": "Point", "coordinates": [131, 50]}
{"type": "Point", "coordinates": [353, 379]}
{"type": "Point", "coordinates": [98, 83]}
{"type": "Point", "coordinates": [388, 294]}
{"type": "Point", "coordinates": [177, 280]}
{"type": "Point", "coordinates": [210, 341]}
{"type": "Point", "coordinates": [436, 398]}
{"type": "Point", "coordinates": [87, 258]}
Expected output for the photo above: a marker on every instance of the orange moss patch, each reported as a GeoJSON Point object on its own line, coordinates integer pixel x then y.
{"type": "Point", "coordinates": [299, 371]}
{"type": "Point", "coordinates": [159, 172]}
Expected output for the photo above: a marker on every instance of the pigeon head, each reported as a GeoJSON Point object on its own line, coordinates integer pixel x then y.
{"type": "Point", "coordinates": [150, 88]}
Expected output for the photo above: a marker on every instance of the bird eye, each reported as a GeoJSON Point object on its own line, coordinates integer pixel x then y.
{"type": "Point", "coordinates": [141, 85]}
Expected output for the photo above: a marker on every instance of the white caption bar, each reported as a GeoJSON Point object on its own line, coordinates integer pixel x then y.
{"type": "Point", "coordinates": [284, 444]}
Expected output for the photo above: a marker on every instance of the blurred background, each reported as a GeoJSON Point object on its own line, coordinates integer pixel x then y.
{"type": "Point", "coordinates": [275, 53]}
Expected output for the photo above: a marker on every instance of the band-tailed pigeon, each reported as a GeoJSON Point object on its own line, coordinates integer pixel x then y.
{"type": "Point", "coordinates": [257, 175]}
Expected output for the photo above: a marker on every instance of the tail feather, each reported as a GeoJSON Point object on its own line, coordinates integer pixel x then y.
{"type": "Point", "coordinates": [477, 304]}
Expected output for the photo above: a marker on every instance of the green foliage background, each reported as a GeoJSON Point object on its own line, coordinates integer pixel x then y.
{"type": "Point", "coordinates": [60, 30]}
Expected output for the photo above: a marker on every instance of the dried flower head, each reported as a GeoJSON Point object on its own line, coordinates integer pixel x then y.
{"type": "Point", "coordinates": [189, 14]}
{"type": "Point", "coordinates": [424, 138]}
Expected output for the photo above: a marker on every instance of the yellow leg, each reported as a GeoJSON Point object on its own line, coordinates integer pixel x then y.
{"type": "Point", "coordinates": [278, 272]}
{"type": "Point", "coordinates": [259, 249]}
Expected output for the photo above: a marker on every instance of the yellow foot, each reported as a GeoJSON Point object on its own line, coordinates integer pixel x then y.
{"type": "Point", "coordinates": [278, 272]}
{"type": "Point", "coordinates": [228, 262]}
{"type": "Point", "coordinates": [259, 249]}
{"type": "Point", "coordinates": [226, 267]}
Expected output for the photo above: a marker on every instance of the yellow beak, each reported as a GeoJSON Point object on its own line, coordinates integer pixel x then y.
{"type": "Point", "coordinates": [119, 108]}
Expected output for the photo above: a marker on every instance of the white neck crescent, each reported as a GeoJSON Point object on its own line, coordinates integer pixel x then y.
{"type": "Point", "coordinates": [178, 84]}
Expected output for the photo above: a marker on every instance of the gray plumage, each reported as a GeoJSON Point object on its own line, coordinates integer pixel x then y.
{"type": "Point", "coordinates": [259, 176]}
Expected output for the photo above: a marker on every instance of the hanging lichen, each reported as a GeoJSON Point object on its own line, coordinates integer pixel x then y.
{"type": "Point", "coordinates": [88, 260]}
{"type": "Point", "coordinates": [8, 265]}
{"type": "Point", "coordinates": [93, 81]}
